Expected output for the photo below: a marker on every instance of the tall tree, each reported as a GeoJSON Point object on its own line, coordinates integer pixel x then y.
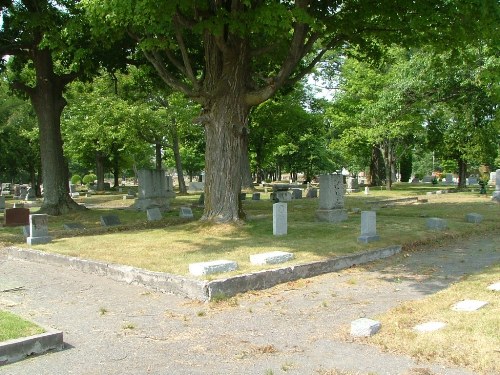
{"type": "Point", "coordinates": [232, 55]}
{"type": "Point", "coordinates": [48, 45]}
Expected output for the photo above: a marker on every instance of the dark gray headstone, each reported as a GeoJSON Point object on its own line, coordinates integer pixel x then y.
{"type": "Point", "coordinates": [110, 220]}
{"type": "Point", "coordinates": [256, 196]}
{"type": "Point", "coordinates": [73, 226]}
{"type": "Point", "coordinates": [186, 213]}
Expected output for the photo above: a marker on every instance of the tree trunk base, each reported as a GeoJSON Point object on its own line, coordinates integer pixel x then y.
{"type": "Point", "coordinates": [64, 207]}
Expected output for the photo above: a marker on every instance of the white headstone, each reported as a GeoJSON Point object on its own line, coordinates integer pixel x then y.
{"type": "Point", "coordinates": [367, 190]}
{"type": "Point", "coordinates": [368, 227]}
{"type": "Point", "coordinates": [272, 257]}
{"type": "Point", "coordinates": [364, 327]}
{"type": "Point", "coordinates": [429, 326]}
{"type": "Point", "coordinates": [215, 266]}
{"type": "Point", "coordinates": [39, 229]}
{"type": "Point", "coordinates": [469, 305]}
{"type": "Point", "coordinates": [496, 193]}
{"type": "Point", "coordinates": [280, 219]}
{"type": "Point", "coordinates": [494, 287]}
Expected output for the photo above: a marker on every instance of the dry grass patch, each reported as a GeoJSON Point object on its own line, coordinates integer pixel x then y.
{"type": "Point", "coordinates": [469, 339]}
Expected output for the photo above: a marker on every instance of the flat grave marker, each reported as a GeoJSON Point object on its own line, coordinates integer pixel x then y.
{"type": "Point", "coordinates": [468, 305]}
{"type": "Point", "coordinates": [110, 220]}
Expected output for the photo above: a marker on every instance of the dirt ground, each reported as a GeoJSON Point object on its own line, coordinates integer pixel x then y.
{"type": "Point", "coordinates": [294, 328]}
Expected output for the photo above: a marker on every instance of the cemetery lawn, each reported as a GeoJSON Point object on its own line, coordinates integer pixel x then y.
{"type": "Point", "coordinates": [469, 339]}
{"type": "Point", "coordinates": [171, 244]}
{"type": "Point", "coordinates": [14, 327]}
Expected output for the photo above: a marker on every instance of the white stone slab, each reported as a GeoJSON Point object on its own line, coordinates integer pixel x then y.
{"type": "Point", "coordinates": [75, 195]}
{"type": "Point", "coordinates": [272, 257]}
{"type": "Point", "coordinates": [215, 266]}
{"type": "Point", "coordinates": [364, 327]}
{"type": "Point", "coordinates": [429, 326]}
{"type": "Point", "coordinates": [494, 287]}
{"type": "Point", "coordinates": [280, 219]}
{"type": "Point", "coordinates": [469, 305]}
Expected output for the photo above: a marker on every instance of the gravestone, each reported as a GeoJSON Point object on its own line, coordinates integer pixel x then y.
{"type": "Point", "coordinates": [201, 199]}
{"type": "Point", "coordinates": [153, 214]}
{"type": "Point", "coordinates": [352, 185]}
{"type": "Point", "coordinates": [107, 186]}
{"type": "Point", "coordinates": [496, 194]}
{"type": "Point", "coordinates": [110, 220]}
{"type": "Point", "coordinates": [155, 190]}
{"type": "Point", "coordinates": [296, 193]}
{"type": "Point", "coordinates": [427, 179]}
{"type": "Point", "coordinates": [273, 257]}
{"type": "Point", "coordinates": [6, 186]}
{"type": "Point", "coordinates": [186, 213]}
{"type": "Point", "coordinates": [39, 229]}
{"type": "Point", "coordinates": [448, 178]}
{"type": "Point", "coordinates": [196, 187]}
{"type": "Point", "coordinates": [367, 190]}
{"type": "Point", "coordinates": [494, 287]}
{"type": "Point", "coordinates": [215, 266]}
{"type": "Point", "coordinates": [429, 326]}
{"type": "Point", "coordinates": [72, 191]}
{"type": "Point", "coordinates": [436, 223]}
{"type": "Point", "coordinates": [256, 196]}
{"type": "Point", "coordinates": [331, 199]}
{"type": "Point", "coordinates": [473, 218]}
{"type": "Point", "coordinates": [23, 190]}
{"type": "Point", "coordinates": [311, 192]}
{"type": "Point", "coordinates": [364, 327]}
{"type": "Point", "coordinates": [2, 203]}
{"type": "Point", "coordinates": [468, 305]}
{"type": "Point", "coordinates": [368, 227]}
{"type": "Point", "coordinates": [73, 226]}
{"type": "Point", "coordinates": [472, 180]}
{"type": "Point", "coordinates": [281, 196]}
{"type": "Point", "coordinates": [15, 217]}
{"type": "Point", "coordinates": [280, 219]}
{"type": "Point", "coordinates": [493, 178]}
{"type": "Point", "coordinates": [17, 191]}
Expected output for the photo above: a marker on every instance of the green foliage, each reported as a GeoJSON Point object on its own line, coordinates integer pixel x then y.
{"type": "Point", "coordinates": [89, 179]}
{"type": "Point", "coordinates": [76, 179]}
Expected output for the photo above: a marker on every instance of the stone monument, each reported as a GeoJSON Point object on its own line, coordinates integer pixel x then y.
{"type": "Point", "coordinates": [39, 232]}
{"type": "Point", "coordinates": [496, 193]}
{"type": "Point", "coordinates": [331, 199]}
{"type": "Point", "coordinates": [155, 190]}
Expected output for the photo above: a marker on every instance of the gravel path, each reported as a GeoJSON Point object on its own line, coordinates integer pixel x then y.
{"type": "Point", "coordinates": [294, 328]}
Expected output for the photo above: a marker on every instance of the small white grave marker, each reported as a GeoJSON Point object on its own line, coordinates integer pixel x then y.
{"type": "Point", "coordinates": [364, 327]}
{"type": "Point", "coordinates": [494, 287]}
{"type": "Point", "coordinates": [429, 326]}
{"type": "Point", "coordinates": [368, 227]}
{"type": "Point", "coordinates": [272, 257]}
{"type": "Point", "coordinates": [280, 220]}
{"type": "Point", "coordinates": [38, 228]}
{"type": "Point", "coordinates": [215, 266]}
{"type": "Point", "coordinates": [469, 305]}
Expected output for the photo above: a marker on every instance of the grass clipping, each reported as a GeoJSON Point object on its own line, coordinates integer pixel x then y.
{"type": "Point", "coordinates": [469, 339]}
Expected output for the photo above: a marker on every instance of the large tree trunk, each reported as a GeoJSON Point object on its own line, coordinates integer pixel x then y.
{"type": "Point", "coordinates": [177, 158]}
{"type": "Point", "coordinates": [388, 164]}
{"type": "Point", "coordinates": [49, 103]}
{"type": "Point", "coordinates": [246, 174]}
{"type": "Point", "coordinates": [158, 155]}
{"type": "Point", "coordinates": [99, 170]}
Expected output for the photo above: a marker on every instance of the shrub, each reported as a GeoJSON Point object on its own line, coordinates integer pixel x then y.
{"type": "Point", "coordinates": [89, 178]}
{"type": "Point", "coordinates": [76, 179]}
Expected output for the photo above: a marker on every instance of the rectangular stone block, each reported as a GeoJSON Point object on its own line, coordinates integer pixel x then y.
{"type": "Point", "coordinates": [186, 213]}
{"type": "Point", "coordinates": [331, 191]}
{"type": "Point", "coordinates": [39, 225]}
{"type": "Point", "coordinates": [296, 193]}
{"type": "Point", "coordinates": [153, 214]}
{"type": "Point", "coordinates": [473, 218]}
{"type": "Point", "coordinates": [364, 327]}
{"type": "Point", "coordinates": [256, 196]}
{"type": "Point", "coordinates": [215, 266]}
{"type": "Point", "coordinates": [469, 305]}
{"type": "Point", "coordinates": [272, 257]}
{"type": "Point", "coordinates": [436, 223]}
{"type": "Point", "coordinates": [280, 219]}
{"type": "Point", "coordinates": [110, 220]}
{"type": "Point", "coordinates": [332, 216]}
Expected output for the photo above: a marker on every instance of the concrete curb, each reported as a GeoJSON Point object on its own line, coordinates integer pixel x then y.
{"type": "Point", "coordinates": [201, 289]}
{"type": "Point", "coordinates": [18, 349]}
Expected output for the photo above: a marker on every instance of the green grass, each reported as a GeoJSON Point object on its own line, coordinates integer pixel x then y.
{"type": "Point", "coordinates": [171, 244]}
{"type": "Point", "coordinates": [469, 339]}
{"type": "Point", "coordinates": [14, 327]}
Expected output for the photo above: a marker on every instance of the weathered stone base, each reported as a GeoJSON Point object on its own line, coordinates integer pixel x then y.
{"type": "Point", "coordinates": [366, 238]}
{"type": "Point", "coordinates": [332, 216]}
{"type": "Point", "coordinates": [143, 204]}
{"type": "Point", "coordinates": [38, 240]}
{"type": "Point", "coordinates": [364, 327]}
{"type": "Point", "coordinates": [496, 196]}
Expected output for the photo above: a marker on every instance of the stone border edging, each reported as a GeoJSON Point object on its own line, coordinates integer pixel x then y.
{"type": "Point", "coordinates": [201, 289]}
{"type": "Point", "coordinates": [18, 349]}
